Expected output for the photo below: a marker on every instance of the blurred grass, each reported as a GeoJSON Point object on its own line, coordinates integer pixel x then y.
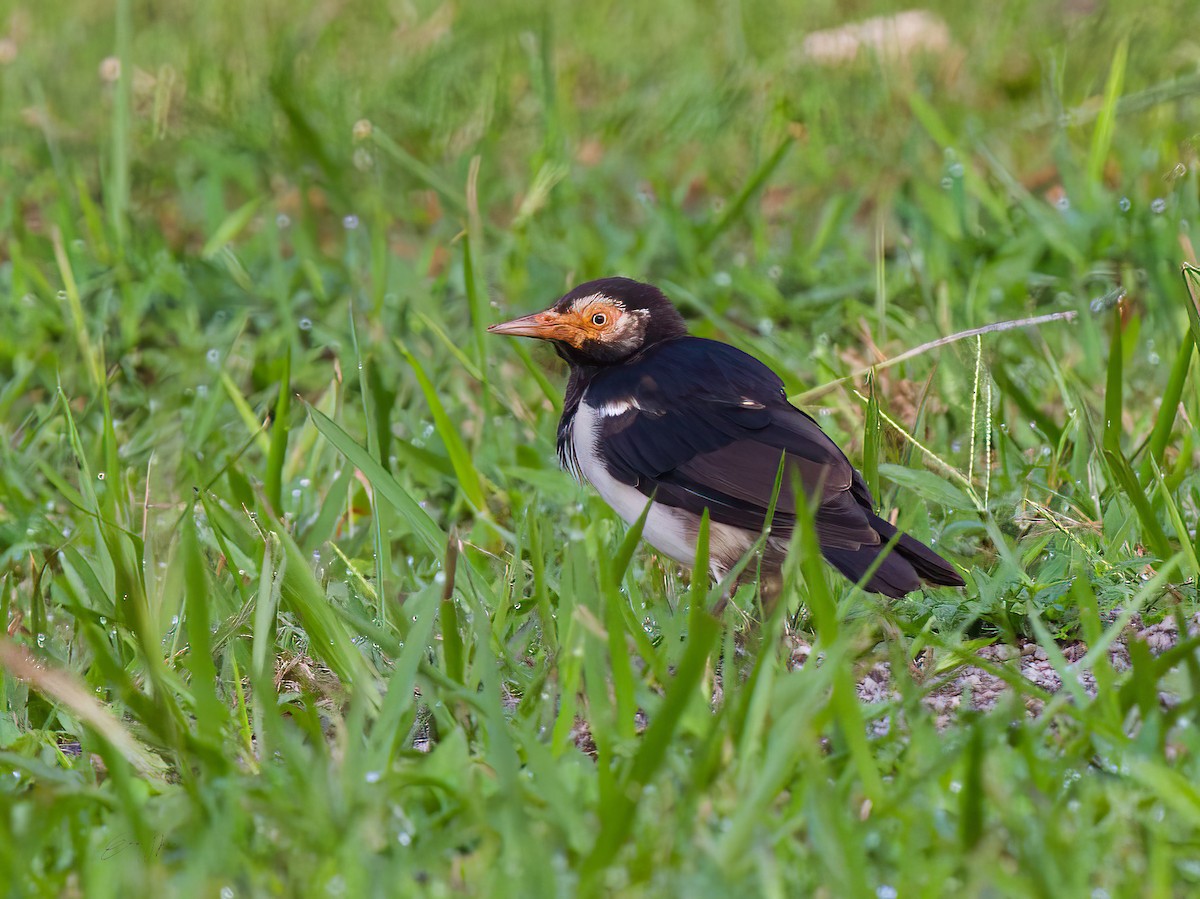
{"type": "Point", "coordinates": [274, 504]}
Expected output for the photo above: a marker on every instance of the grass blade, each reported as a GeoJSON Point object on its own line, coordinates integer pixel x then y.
{"type": "Point", "coordinates": [468, 477]}
{"type": "Point", "coordinates": [425, 527]}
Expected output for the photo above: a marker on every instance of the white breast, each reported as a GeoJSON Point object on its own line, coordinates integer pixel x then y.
{"type": "Point", "coordinates": [669, 530]}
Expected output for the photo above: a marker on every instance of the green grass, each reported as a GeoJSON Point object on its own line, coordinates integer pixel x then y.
{"type": "Point", "coordinates": [297, 599]}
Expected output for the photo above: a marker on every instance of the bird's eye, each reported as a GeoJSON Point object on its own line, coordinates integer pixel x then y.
{"type": "Point", "coordinates": [599, 319]}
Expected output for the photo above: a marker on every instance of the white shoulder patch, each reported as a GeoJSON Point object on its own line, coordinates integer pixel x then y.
{"type": "Point", "coordinates": [613, 408]}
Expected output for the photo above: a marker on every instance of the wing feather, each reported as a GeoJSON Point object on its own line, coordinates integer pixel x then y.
{"type": "Point", "coordinates": [705, 426]}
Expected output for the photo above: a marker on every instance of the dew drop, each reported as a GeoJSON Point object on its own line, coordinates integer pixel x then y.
{"type": "Point", "coordinates": [1123, 204]}
{"type": "Point", "coordinates": [405, 838]}
{"type": "Point", "coordinates": [1062, 204]}
{"type": "Point", "coordinates": [372, 777]}
{"type": "Point", "coordinates": [1158, 206]}
{"type": "Point", "coordinates": [100, 476]}
{"type": "Point", "coordinates": [213, 356]}
{"type": "Point", "coordinates": [305, 324]}
{"type": "Point", "coordinates": [282, 221]}
{"type": "Point", "coordinates": [350, 222]}
{"type": "Point", "coordinates": [41, 640]}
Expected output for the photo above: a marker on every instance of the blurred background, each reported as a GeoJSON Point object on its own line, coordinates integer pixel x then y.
{"type": "Point", "coordinates": [217, 215]}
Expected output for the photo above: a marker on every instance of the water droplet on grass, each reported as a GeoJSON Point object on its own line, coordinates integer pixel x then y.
{"type": "Point", "coordinates": [282, 221]}
{"type": "Point", "coordinates": [305, 324]}
{"type": "Point", "coordinates": [41, 640]}
{"type": "Point", "coordinates": [350, 222]}
{"type": "Point", "coordinates": [372, 777]}
{"type": "Point", "coordinates": [1123, 204]}
{"type": "Point", "coordinates": [1158, 206]}
{"type": "Point", "coordinates": [213, 356]}
{"type": "Point", "coordinates": [1062, 204]}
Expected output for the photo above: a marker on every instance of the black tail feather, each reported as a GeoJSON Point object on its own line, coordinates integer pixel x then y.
{"type": "Point", "coordinates": [902, 571]}
{"type": "Point", "coordinates": [894, 577]}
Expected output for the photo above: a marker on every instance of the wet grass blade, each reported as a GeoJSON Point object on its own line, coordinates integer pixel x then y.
{"type": "Point", "coordinates": [737, 207]}
{"type": "Point", "coordinates": [871, 435]}
{"type": "Point", "coordinates": [277, 455]}
{"type": "Point", "coordinates": [425, 527]}
{"type": "Point", "coordinates": [301, 593]}
{"type": "Point", "coordinates": [452, 642]}
{"type": "Point", "coordinates": [468, 477]}
{"type": "Point", "coordinates": [211, 714]}
{"type": "Point", "coordinates": [1107, 119]}
{"type": "Point", "coordinates": [230, 228]}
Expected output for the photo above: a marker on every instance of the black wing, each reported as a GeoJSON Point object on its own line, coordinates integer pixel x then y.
{"type": "Point", "coordinates": [702, 425]}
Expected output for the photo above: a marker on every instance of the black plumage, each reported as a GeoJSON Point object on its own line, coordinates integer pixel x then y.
{"type": "Point", "coordinates": [699, 424]}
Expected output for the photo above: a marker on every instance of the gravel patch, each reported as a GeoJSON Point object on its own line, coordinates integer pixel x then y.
{"type": "Point", "coordinates": [977, 688]}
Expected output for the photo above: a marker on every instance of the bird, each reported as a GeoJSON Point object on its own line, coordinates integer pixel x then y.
{"type": "Point", "coordinates": [685, 424]}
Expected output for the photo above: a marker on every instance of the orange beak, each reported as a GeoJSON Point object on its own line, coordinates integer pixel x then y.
{"type": "Point", "coordinates": [547, 325]}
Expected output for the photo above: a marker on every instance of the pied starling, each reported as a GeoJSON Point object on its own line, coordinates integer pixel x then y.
{"type": "Point", "coordinates": [699, 424]}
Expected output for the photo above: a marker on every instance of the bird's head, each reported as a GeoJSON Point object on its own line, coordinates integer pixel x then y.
{"type": "Point", "coordinates": [602, 322]}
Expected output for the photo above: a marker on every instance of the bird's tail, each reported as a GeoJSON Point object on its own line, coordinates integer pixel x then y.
{"type": "Point", "coordinates": [901, 572]}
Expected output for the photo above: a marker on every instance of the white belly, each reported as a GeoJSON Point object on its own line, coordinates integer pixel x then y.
{"type": "Point", "coordinates": [669, 530]}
